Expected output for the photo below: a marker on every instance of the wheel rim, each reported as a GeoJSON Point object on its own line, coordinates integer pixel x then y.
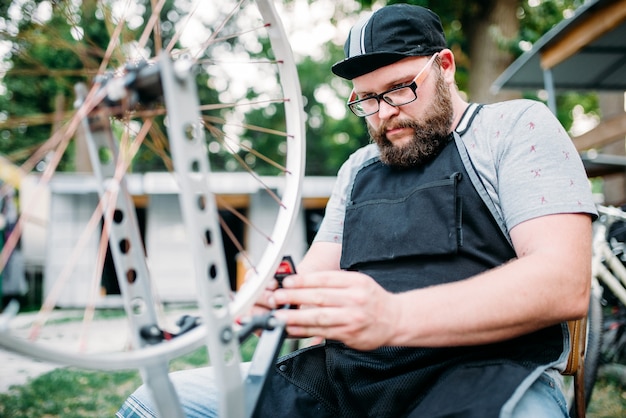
{"type": "Point", "coordinates": [288, 184]}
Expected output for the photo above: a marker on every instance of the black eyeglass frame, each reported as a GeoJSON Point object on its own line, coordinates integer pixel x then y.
{"type": "Point", "coordinates": [413, 86]}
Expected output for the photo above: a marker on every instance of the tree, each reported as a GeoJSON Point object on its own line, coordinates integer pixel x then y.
{"type": "Point", "coordinates": [47, 59]}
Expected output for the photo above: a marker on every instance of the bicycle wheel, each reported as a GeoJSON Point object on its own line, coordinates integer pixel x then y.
{"type": "Point", "coordinates": [592, 352]}
{"type": "Point", "coordinates": [231, 56]}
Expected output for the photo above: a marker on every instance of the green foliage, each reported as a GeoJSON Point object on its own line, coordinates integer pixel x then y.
{"type": "Point", "coordinates": [46, 61]}
{"type": "Point", "coordinates": [329, 140]}
{"type": "Point", "coordinates": [566, 102]}
{"type": "Point", "coordinates": [34, 84]}
{"type": "Point", "coordinates": [538, 19]}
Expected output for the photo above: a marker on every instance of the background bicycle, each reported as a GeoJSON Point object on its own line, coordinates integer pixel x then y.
{"type": "Point", "coordinates": [609, 270]}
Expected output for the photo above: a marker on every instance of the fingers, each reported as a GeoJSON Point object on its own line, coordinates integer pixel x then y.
{"type": "Point", "coordinates": [346, 306]}
{"type": "Point", "coordinates": [330, 324]}
{"type": "Point", "coordinates": [265, 301]}
{"type": "Point", "coordinates": [322, 279]}
{"type": "Point", "coordinates": [315, 318]}
{"type": "Point", "coordinates": [310, 297]}
{"type": "Point", "coordinates": [310, 322]}
{"type": "Point", "coordinates": [325, 289]}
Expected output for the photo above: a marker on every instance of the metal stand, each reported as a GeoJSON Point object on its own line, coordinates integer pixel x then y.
{"type": "Point", "coordinates": [200, 214]}
{"type": "Point", "coordinates": [127, 251]}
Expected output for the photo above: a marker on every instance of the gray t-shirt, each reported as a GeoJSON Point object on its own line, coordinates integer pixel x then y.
{"type": "Point", "coordinates": [525, 158]}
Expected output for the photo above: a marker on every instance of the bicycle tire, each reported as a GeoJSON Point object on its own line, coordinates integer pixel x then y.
{"type": "Point", "coordinates": [592, 351]}
{"type": "Point", "coordinates": [289, 185]}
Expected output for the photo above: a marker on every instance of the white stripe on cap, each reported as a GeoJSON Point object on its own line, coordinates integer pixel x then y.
{"type": "Point", "coordinates": [357, 37]}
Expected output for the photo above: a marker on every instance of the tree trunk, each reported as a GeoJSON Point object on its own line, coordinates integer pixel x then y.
{"type": "Point", "coordinates": [486, 35]}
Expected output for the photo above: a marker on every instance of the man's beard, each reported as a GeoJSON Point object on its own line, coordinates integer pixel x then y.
{"type": "Point", "coordinates": [430, 136]}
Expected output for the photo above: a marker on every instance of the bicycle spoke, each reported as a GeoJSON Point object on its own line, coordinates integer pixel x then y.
{"type": "Point", "coordinates": [230, 60]}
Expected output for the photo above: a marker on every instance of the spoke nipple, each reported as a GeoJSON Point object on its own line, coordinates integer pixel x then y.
{"type": "Point", "coordinates": [227, 335]}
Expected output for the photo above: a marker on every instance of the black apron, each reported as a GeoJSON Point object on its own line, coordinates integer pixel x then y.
{"type": "Point", "coordinates": [408, 229]}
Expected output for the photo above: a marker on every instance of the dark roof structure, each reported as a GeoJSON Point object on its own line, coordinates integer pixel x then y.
{"type": "Point", "coordinates": [586, 52]}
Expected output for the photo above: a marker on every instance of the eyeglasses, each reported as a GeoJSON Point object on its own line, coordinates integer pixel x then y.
{"type": "Point", "coordinates": [397, 96]}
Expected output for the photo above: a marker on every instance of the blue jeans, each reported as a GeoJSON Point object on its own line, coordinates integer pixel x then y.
{"type": "Point", "coordinates": [196, 390]}
{"type": "Point", "coordinates": [198, 395]}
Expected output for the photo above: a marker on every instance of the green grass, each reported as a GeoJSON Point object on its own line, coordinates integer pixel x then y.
{"type": "Point", "coordinates": [75, 393]}
{"type": "Point", "coordinates": [608, 399]}
{"type": "Point", "coordinates": [69, 393]}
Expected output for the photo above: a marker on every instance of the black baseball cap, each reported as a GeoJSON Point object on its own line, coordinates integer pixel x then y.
{"type": "Point", "coordinates": [388, 35]}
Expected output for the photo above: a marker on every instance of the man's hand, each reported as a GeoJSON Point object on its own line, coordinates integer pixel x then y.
{"type": "Point", "coordinates": [265, 301]}
{"type": "Point", "coordinates": [339, 305]}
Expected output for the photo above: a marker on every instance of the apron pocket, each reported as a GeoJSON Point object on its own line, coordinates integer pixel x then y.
{"type": "Point", "coordinates": [426, 221]}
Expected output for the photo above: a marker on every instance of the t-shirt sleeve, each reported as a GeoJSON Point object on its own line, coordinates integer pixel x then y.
{"type": "Point", "coordinates": [539, 169]}
{"type": "Point", "coordinates": [331, 228]}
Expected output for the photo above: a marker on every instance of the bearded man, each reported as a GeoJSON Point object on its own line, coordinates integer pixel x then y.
{"type": "Point", "coordinates": [448, 245]}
